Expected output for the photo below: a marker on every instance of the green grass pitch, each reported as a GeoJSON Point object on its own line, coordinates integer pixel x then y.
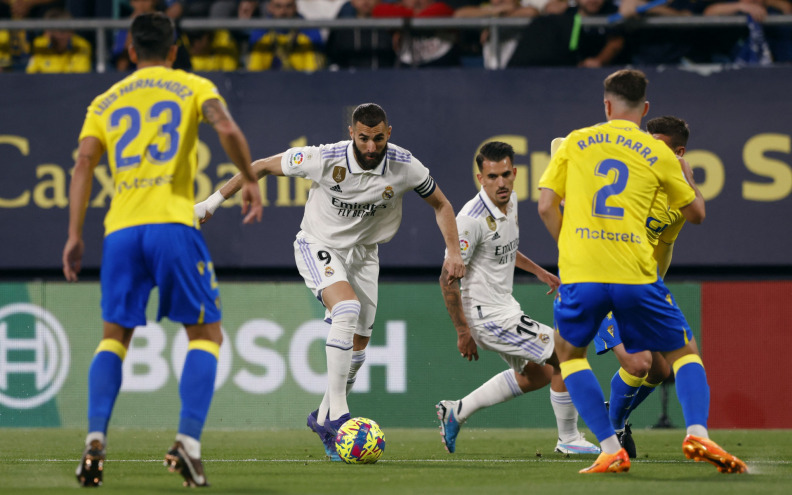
{"type": "Point", "coordinates": [487, 461]}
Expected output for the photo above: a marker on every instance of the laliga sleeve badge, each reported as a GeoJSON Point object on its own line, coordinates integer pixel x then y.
{"type": "Point", "coordinates": [339, 174]}
{"type": "Point", "coordinates": [463, 245]}
{"type": "Point", "coordinates": [491, 223]}
{"type": "Point", "coordinates": [296, 159]}
{"type": "Point", "coordinates": [388, 193]}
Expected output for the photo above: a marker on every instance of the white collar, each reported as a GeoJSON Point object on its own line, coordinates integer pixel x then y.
{"type": "Point", "coordinates": [355, 168]}
{"type": "Point", "coordinates": [494, 210]}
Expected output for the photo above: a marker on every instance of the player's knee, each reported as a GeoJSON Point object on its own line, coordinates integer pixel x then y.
{"type": "Point", "coordinates": [345, 318]}
{"type": "Point", "coordinates": [637, 364]}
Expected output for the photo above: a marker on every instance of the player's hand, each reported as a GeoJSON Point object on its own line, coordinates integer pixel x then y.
{"type": "Point", "coordinates": [201, 211]}
{"type": "Point", "coordinates": [72, 258]}
{"type": "Point", "coordinates": [454, 267]}
{"type": "Point", "coordinates": [551, 280]}
{"type": "Point", "coordinates": [251, 202]}
{"type": "Point", "coordinates": [467, 346]}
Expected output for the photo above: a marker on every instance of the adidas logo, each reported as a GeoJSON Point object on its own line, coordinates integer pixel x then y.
{"type": "Point", "coordinates": [336, 188]}
{"type": "Point", "coordinates": [496, 236]}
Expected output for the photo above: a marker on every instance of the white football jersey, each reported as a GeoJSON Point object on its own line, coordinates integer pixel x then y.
{"type": "Point", "coordinates": [349, 206]}
{"type": "Point", "coordinates": [488, 240]}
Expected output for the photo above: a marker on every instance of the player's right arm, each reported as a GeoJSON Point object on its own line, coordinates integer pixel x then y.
{"type": "Point", "coordinates": [452, 296]}
{"type": "Point", "coordinates": [236, 146]}
{"type": "Point", "coordinates": [88, 154]}
{"type": "Point", "coordinates": [261, 168]}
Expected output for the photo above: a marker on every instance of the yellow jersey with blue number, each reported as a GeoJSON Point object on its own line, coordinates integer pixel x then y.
{"type": "Point", "coordinates": [148, 123]}
{"type": "Point", "coordinates": [663, 223]}
{"type": "Point", "coordinates": [609, 176]}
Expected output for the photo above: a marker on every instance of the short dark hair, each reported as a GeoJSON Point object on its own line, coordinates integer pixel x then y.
{"type": "Point", "coordinates": [152, 36]}
{"type": "Point", "coordinates": [628, 85]}
{"type": "Point", "coordinates": [673, 127]}
{"type": "Point", "coordinates": [494, 151]}
{"type": "Point", "coordinates": [369, 114]}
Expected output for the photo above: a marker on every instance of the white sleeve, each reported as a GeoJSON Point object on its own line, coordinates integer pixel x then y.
{"type": "Point", "coordinates": [469, 236]}
{"type": "Point", "coordinates": [419, 179]}
{"type": "Point", "coordinates": [303, 162]}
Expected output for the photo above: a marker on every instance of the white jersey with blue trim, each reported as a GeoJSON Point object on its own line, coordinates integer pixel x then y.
{"type": "Point", "coordinates": [488, 240]}
{"type": "Point", "coordinates": [348, 206]}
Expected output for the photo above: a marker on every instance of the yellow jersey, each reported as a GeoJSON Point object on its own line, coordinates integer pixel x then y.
{"type": "Point", "coordinates": [663, 222]}
{"type": "Point", "coordinates": [45, 60]}
{"type": "Point", "coordinates": [148, 123]}
{"type": "Point", "coordinates": [609, 176]}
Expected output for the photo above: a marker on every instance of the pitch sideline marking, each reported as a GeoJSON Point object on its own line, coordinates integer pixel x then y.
{"type": "Point", "coordinates": [210, 461]}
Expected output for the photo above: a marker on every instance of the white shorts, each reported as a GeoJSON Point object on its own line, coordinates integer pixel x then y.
{"type": "Point", "coordinates": [518, 339]}
{"type": "Point", "coordinates": [322, 266]}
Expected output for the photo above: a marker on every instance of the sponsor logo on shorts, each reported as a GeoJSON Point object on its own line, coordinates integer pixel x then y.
{"type": "Point", "coordinates": [329, 272]}
{"type": "Point", "coordinates": [388, 193]}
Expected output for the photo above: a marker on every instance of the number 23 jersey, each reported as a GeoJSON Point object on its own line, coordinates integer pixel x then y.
{"type": "Point", "coordinates": [148, 123]}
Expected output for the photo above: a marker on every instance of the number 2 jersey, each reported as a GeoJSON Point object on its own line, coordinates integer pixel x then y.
{"type": "Point", "coordinates": [348, 206]}
{"type": "Point", "coordinates": [148, 123]}
{"type": "Point", "coordinates": [609, 176]}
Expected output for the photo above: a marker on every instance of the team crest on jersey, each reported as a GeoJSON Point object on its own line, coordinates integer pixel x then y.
{"type": "Point", "coordinates": [491, 223]}
{"type": "Point", "coordinates": [297, 159]}
{"type": "Point", "coordinates": [329, 272]}
{"type": "Point", "coordinates": [339, 174]}
{"type": "Point", "coordinates": [388, 193]}
{"type": "Point", "coordinates": [463, 245]}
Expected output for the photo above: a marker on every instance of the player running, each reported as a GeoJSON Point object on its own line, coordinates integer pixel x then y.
{"type": "Point", "coordinates": [148, 123]}
{"type": "Point", "coordinates": [642, 372]}
{"type": "Point", "coordinates": [485, 313]}
{"type": "Point", "coordinates": [608, 176]}
{"type": "Point", "coordinates": [355, 204]}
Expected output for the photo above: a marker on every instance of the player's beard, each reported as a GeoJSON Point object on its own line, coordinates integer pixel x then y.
{"type": "Point", "coordinates": [369, 161]}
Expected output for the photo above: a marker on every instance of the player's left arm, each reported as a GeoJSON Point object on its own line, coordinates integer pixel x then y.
{"type": "Point", "coordinates": [525, 263]}
{"type": "Point", "coordinates": [550, 211]}
{"type": "Point", "coordinates": [236, 146]}
{"type": "Point", "coordinates": [88, 154]}
{"type": "Point", "coordinates": [444, 214]}
{"type": "Point", "coordinates": [694, 212]}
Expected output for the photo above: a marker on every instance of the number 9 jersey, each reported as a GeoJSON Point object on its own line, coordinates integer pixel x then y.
{"type": "Point", "coordinates": [151, 119]}
{"type": "Point", "coordinates": [609, 176]}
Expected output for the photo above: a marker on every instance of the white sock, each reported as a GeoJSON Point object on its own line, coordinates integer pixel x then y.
{"type": "Point", "coordinates": [698, 430]}
{"type": "Point", "coordinates": [358, 358]}
{"type": "Point", "coordinates": [566, 416]}
{"type": "Point", "coordinates": [338, 350]}
{"type": "Point", "coordinates": [500, 388]}
{"type": "Point", "coordinates": [95, 435]}
{"type": "Point", "coordinates": [610, 445]}
{"type": "Point", "coordinates": [191, 445]}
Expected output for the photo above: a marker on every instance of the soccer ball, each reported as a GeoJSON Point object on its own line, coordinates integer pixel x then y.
{"type": "Point", "coordinates": [360, 441]}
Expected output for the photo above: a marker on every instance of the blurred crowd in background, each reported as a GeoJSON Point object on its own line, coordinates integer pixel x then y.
{"type": "Point", "coordinates": [554, 37]}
